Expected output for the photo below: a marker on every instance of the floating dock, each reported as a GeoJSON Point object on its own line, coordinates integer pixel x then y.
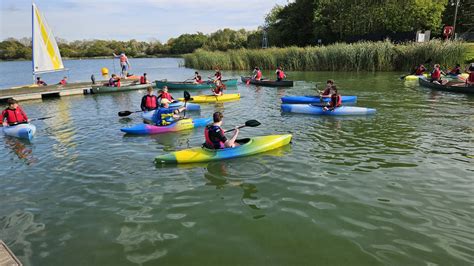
{"type": "Point", "coordinates": [7, 258]}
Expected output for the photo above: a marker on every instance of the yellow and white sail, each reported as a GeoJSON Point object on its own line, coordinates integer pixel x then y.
{"type": "Point", "coordinates": [46, 56]}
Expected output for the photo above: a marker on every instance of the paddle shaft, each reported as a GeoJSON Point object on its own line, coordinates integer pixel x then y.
{"type": "Point", "coordinates": [230, 130]}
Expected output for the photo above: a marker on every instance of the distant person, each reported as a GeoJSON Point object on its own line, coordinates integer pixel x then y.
{"type": "Point", "coordinates": [165, 116]}
{"type": "Point", "coordinates": [40, 82]}
{"type": "Point", "coordinates": [215, 135]}
{"type": "Point", "coordinates": [280, 74]}
{"type": "Point", "coordinates": [114, 81]}
{"type": "Point", "coordinates": [197, 78]}
{"type": "Point", "coordinates": [143, 79]}
{"type": "Point", "coordinates": [219, 89]}
{"type": "Point", "coordinates": [124, 63]}
{"type": "Point", "coordinates": [218, 76]}
{"type": "Point", "coordinates": [470, 79]}
{"type": "Point", "coordinates": [419, 70]}
{"type": "Point", "coordinates": [149, 101]}
{"type": "Point", "coordinates": [326, 93]}
{"type": "Point", "coordinates": [13, 114]}
{"type": "Point", "coordinates": [336, 100]}
{"type": "Point", "coordinates": [164, 94]}
{"type": "Point", "coordinates": [436, 75]}
{"type": "Point", "coordinates": [93, 79]}
{"type": "Point", "coordinates": [455, 71]}
{"type": "Point", "coordinates": [258, 74]}
{"type": "Point", "coordinates": [63, 81]}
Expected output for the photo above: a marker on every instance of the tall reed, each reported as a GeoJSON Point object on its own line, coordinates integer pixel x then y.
{"type": "Point", "coordinates": [361, 56]}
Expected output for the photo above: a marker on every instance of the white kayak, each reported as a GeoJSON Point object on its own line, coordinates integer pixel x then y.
{"type": "Point", "coordinates": [22, 131]}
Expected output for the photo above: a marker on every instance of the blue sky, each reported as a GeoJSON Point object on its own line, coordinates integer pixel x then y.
{"type": "Point", "coordinates": [141, 19]}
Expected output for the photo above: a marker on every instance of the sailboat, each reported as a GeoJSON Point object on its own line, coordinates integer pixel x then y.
{"type": "Point", "coordinates": [46, 56]}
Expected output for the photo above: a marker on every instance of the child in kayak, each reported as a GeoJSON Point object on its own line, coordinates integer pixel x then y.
{"type": "Point", "coordinates": [165, 116]}
{"type": "Point", "coordinates": [326, 93]}
{"type": "Point", "coordinates": [214, 134]}
{"type": "Point", "coordinates": [470, 79]}
{"type": "Point", "coordinates": [455, 71]}
{"type": "Point", "coordinates": [40, 82]}
{"type": "Point", "coordinates": [436, 75]}
{"type": "Point", "coordinates": [336, 101]}
{"type": "Point", "coordinates": [280, 74]}
{"type": "Point", "coordinates": [149, 101]}
{"type": "Point", "coordinates": [164, 94]}
{"type": "Point", "coordinates": [197, 78]}
{"type": "Point", "coordinates": [13, 114]}
{"type": "Point", "coordinates": [219, 89]}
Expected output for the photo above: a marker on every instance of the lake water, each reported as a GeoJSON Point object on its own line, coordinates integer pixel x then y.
{"type": "Point", "coordinates": [396, 188]}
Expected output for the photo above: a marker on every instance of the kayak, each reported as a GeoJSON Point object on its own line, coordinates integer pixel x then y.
{"type": "Point", "coordinates": [315, 99]}
{"type": "Point", "coordinates": [213, 98]}
{"type": "Point", "coordinates": [247, 147]}
{"type": "Point", "coordinates": [22, 131]}
{"type": "Point", "coordinates": [189, 107]}
{"type": "Point", "coordinates": [268, 82]}
{"type": "Point", "coordinates": [415, 77]}
{"type": "Point", "coordinates": [182, 124]}
{"type": "Point", "coordinates": [106, 89]}
{"type": "Point", "coordinates": [190, 85]}
{"type": "Point", "coordinates": [318, 110]}
{"type": "Point", "coordinates": [450, 86]}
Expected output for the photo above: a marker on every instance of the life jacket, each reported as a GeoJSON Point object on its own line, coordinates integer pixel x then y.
{"type": "Point", "coordinates": [123, 58]}
{"type": "Point", "coordinates": [420, 70]}
{"type": "Point", "coordinates": [436, 74]}
{"type": "Point", "coordinates": [14, 117]}
{"type": "Point", "coordinates": [259, 75]}
{"type": "Point", "coordinates": [150, 102]}
{"type": "Point", "coordinates": [63, 82]}
{"type": "Point", "coordinates": [111, 82]}
{"type": "Point", "coordinates": [281, 74]}
{"type": "Point", "coordinates": [166, 95]}
{"type": "Point", "coordinates": [142, 80]}
{"type": "Point", "coordinates": [163, 117]}
{"type": "Point", "coordinates": [198, 79]}
{"type": "Point", "coordinates": [336, 99]}
{"type": "Point", "coordinates": [470, 79]}
{"type": "Point", "coordinates": [213, 144]}
{"type": "Point", "coordinates": [327, 91]}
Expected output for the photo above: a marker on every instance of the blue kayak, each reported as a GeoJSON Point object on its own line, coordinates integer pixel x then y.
{"type": "Point", "coordinates": [315, 99]}
{"type": "Point", "coordinates": [22, 131]}
{"type": "Point", "coordinates": [317, 110]}
{"type": "Point", "coordinates": [179, 125]}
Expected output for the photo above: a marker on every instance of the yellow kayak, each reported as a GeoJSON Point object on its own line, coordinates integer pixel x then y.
{"type": "Point", "coordinates": [212, 98]}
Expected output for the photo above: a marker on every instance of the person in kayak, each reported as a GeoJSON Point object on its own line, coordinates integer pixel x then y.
{"type": "Point", "coordinates": [143, 79]}
{"type": "Point", "coordinates": [258, 74]}
{"type": "Point", "coordinates": [336, 100]}
{"type": "Point", "coordinates": [470, 79]}
{"type": "Point", "coordinates": [215, 135]}
{"type": "Point", "coordinates": [165, 116]}
{"type": "Point", "coordinates": [436, 75]}
{"type": "Point", "coordinates": [419, 70]}
{"type": "Point", "coordinates": [197, 78]}
{"type": "Point", "coordinates": [217, 76]}
{"type": "Point", "coordinates": [63, 81]}
{"type": "Point", "coordinates": [326, 93]}
{"type": "Point", "coordinates": [124, 64]}
{"type": "Point", "coordinates": [164, 94]}
{"type": "Point", "coordinates": [40, 82]}
{"type": "Point", "coordinates": [280, 74]}
{"type": "Point", "coordinates": [13, 114]}
{"type": "Point", "coordinates": [149, 101]}
{"type": "Point", "coordinates": [455, 71]}
{"type": "Point", "coordinates": [219, 89]}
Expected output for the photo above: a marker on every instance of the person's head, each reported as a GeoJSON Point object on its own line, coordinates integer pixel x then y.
{"type": "Point", "coordinates": [122, 53]}
{"type": "Point", "coordinates": [436, 65]}
{"type": "Point", "coordinates": [279, 68]}
{"type": "Point", "coordinates": [217, 117]}
{"type": "Point", "coordinates": [150, 90]}
{"type": "Point", "coordinates": [165, 89]}
{"type": "Point", "coordinates": [113, 75]}
{"type": "Point", "coordinates": [165, 103]}
{"type": "Point", "coordinates": [12, 103]}
{"type": "Point", "coordinates": [38, 78]}
{"type": "Point", "coordinates": [65, 78]}
{"type": "Point", "coordinates": [144, 74]}
{"type": "Point", "coordinates": [330, 82]}
{"type": "Point", "coordinates": [196, 73]}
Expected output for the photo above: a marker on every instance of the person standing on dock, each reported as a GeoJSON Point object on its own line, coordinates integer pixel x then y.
{"type": "Point", "coordinates": [13, 114]}
{"type": "Point", "coordinates": [40, 82]}
{"type": "Point", "coordinates": [124, 64]}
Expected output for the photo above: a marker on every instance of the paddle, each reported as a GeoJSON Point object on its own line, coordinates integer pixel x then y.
{"type": "Point", "coordinates": [34, 119]}
{"type": "Point", "coordinates": [127, 113]}
{"type": "Point", "coordinates": [250, 123]}
{"type": "Point", "coordinates": [426, 62]}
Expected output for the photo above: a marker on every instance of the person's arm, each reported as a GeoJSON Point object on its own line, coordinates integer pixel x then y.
{"type": "Point", "coordinates": [230, 142]}
{"type": "Point", "coordinates": [23, 113]}
{"type": "Point", "coordinates": [4, 118]}
{"type": "Point", "coordinates": [143, 104]}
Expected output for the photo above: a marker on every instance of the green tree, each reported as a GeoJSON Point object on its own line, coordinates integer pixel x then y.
{"type": "Point", "coordinates": [226, 39]}
{"type": "Point", "coordinates": [187, 43]}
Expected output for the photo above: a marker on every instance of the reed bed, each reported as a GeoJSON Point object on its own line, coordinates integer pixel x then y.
{"type": "Point", "coordinates": [361, 56]}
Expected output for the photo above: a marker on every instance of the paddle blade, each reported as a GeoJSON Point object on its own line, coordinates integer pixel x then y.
{"type": "Point", "coordinates": [187, 96]}
{"type": "Point", "coordinates": [124, 113]}
{"type": "Point", "coordinates": [248, 81]}
{"type": "Point", "coordinates": [252, 123]}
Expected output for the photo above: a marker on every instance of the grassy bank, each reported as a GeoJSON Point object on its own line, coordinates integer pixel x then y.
{"type": "Point", "coordinates": [362, 56]}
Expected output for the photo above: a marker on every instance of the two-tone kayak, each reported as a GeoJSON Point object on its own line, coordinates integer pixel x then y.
{"type": "Point", "coordinates": [172, 85]}
{"type": "Point", "coordinates": [247, 147]}
{"type": "Point", "coordinates": [189, 107]}
{"type": "Point", "coordinates": [22, 131]}
{"type": "Point", "coordinates": [315, 99]}
{"type": "Point", "coordinates": [213, 98]}
{"type": "Point", "coordinates": [318, 110]}
{"type": "Point", "coordinates": [107, 89]}
{"type": "Point", "coordinates": [268, 82]}
{"type": "Point", "coordinates": [182, 124]}
{"type": "Point", "coordinates": [450, 86]}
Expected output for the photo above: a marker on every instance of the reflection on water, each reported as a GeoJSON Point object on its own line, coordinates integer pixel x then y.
{"type": "Point", "coordinates": [22, 149]}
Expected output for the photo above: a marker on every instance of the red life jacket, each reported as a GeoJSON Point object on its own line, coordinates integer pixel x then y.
{"type": "Point", "coordinates": [209, 142]}
{"type": "Point", "coordinates": [166, 95]}
{"type": "Point", "coordinates": [62, 82]}
{"type": "Point", "coordinates": [123, 58]}
{"type": "Point", "coordinates": [436, 75]}
{"type": "Point", "coordinates": [470, 79]}
{"type": "Point", "coordinates": [259, 75]}
{"type": "Point", "coordinates": [419, 71]}
{"type": "Point", "coordinates": [150, 102]}
{"type": "Point", "coordinates": [336, 99]}
{"type": "Point", "coordinates": [142, 80]}
{"type": "Point", "coordinates": [281, 74]}
{"type": "Point", "coordinates": [14, 116]}
{"type": "Point", "coordinates": [117, 84]}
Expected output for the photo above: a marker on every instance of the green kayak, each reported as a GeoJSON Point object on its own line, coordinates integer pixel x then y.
{"type": "Point", "coordinates": [190, 85]}
{"type": "Point", "coordinates": [106, 89]}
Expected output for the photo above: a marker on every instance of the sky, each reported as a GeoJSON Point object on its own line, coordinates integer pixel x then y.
{"type": "Point", "coordinates": [142, 20]}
